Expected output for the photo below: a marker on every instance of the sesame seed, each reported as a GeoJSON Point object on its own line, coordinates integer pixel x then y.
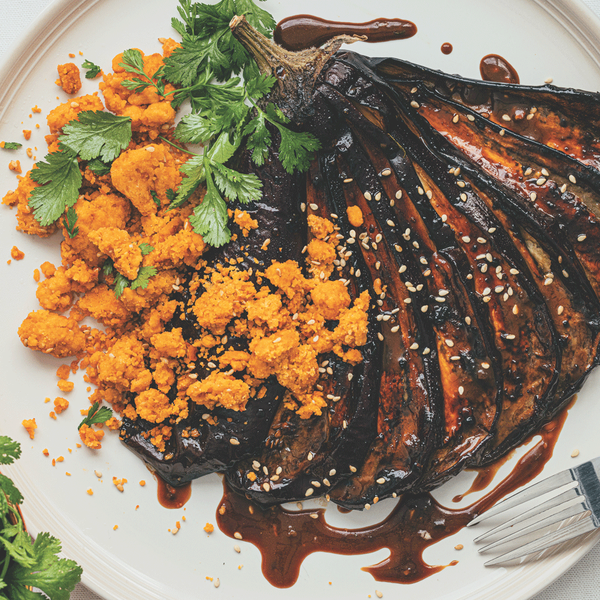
{"type": "Point", "coordinates": [426, 351]}
{"type": "Point", "coordinates": [402, 269]}
{"type": "Point", "coordinates": [502, 132]}
{"type": "Point", "coordinates": [528, 171]}
{"type": "Point", "coordinates": [353, 469]}
{"type": "Point", "coordinates": [379, 594]}
{"type": "Point", "coordinates": [485, 365]}
{"type": "Point", "coordinates": [398, 248]}
{"type": "Point", "coordinates": [381, 480]}
{"type": "Point", "coordinates": [514, 272]}
{"type": "Point", "coordinates": [266, 486]}
{"type": "Point", "coordinates": [572, 179]}
{"type": "Point", "coordinates": [348, 180]}
{"type": "Point", "coordinates": [416, 245]}
{"type": "Point", "coordinates": [530, 116]}
{"type": "Point", "coordinates": [510, 336]}
{"type": "Point", "coordinates": [234, 442]}
{"type": "Point", "coordinates": [460, 184]}
{"type": "Point", "coordinates": [449, 343]}
{"type": "Point", "coordinates": [541, 181]}
{"type": "Point", "coordinates": [455, 358]}
{"type": "Point", "coordinates": [470, 117]}
{"type": "Point", "coordinates": [237, 548]}
{"type": "Point", "coordinates": [487, 291]}
{"type": "Point", "coordinates": [390, 223]}
{"type": "Point", "coordinates": [491, 230]}
{"type": "Point", "coordinates": [424, 308]}
{"type": "Point", "coordinates": [414, 346]}
{"type": "Point", "coordinates": [386, 172]}
{"type": "Point", "coordinates": [563, 188]}
{"type": "Point", "coordinates": [314, 206]}
{"type": "Point", "coordinates": [414, 104]}
{"type": "Point", "coordinates": [149, 148]}
{"type": "Point", "coordinates": [466, 239]}
{"type": "Point", "coordinates": [413, 90]}
{"type": "Point", "coordinates": [575, 453]}
{"type": "Point", "coordinates": [486, 299]}
{"type": "Point", "coordinates": [499, 289]}
{"type": "Point", "coordinates": [468, 320]}
{"type": "Point", "coordinates": [398, 194]}
{"type": "Point", "coordinates": [429, 194]}
{"type": "Point", "coordinates": [463, 197]}
{"type": "Point", "coordinates": [238, 536]}
{"type": "Point", "coordinates": [443, 292]}
{"type": "Point", "coordinates": [427, 273]}
{"type": "Point", "coordinates": [461, 390]}
{"type": "Point", "coordinates": [309, 492]}
{"type": "Point", "coordinates": [420, 190]}
{"type": "Point", "coordinates": [455, 119]}
{"type": "Point", "coordinates": [378, 196]}
{"type": "Point", "coordinates": [482, 240]}
{"type": "Point", "coordinates": [545, 173]}
{"type": "Point", "coordinates": [395, 328]}
{"type": "Point", "coordinates": [367, 196]}
{"type": "Point", "coordinates": [581, 237]}
{"type": "Point", "coordinates": [560, 310]}
{"type": "Point", "coordinates": [407, 300]}
{"type": "Point", "coordinates": [423, 260]}
{"type": "Point", "coordinates": [548, 80]}
{"type": "Point", "coordinates": [310, 456]}
{"type": "Point", "coordinates": [444, 218]}
{"type": "Point", "coordinates": [489, 257]}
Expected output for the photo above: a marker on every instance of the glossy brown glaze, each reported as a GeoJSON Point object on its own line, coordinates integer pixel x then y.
{"type": "Point", "coordinates": [495, 68]}
{"type": "Point", "coordinates": [172, 497]}
{"type": "Point", "coordinates": [286, 538]}
{"type": "Point", "coordinates": [447, 48]}
{"type": "Point", "coordinates": [305, 31]}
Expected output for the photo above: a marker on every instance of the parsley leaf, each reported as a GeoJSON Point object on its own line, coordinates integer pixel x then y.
{"type": "Point", "coordinates": [69, 221]}
{"type": "Point", "coordinates": [210, 217]}
{"type": "Point", "coordinates": [146, 249]}
{"type": "Point", "coordinates": [91, 68]}
{"type": "Point", "coordinates": [9, 450]}
{"type": "Point", "coordinates": [97, 134]}
{"type": "Point", "coordinates": [296, 149]}
{"type": "Point", "coordinates": [60, 180]}
{"type": "Point", "coordinates": [96, 415]}
{"type": "Point", "coordinates": [244, 187]}
{"type": "Point", "coordinates": [10, 145]}
{"type": "Point", "coordinates": [56, 577]}
{"type": "Point", "coordinates": [194, 173]}
{"type": "Point", "coordinates": [121, 282]}
{"type": "Point", "coordinates": [143, 277]}
{"type": "Point", "coordinates": [99, 167]}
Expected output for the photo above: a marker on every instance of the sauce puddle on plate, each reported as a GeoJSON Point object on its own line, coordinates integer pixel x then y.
{"type": "Point", "coordinates": [286, 538]}
{"type": "Point", "coordinates": [306, 31]}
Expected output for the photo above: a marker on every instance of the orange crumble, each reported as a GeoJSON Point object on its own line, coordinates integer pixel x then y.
{"type": "Point", "coordinates": [90, 492]}
{"type": "Point", "coordinates": [17, 254]}
{"type": "Point", "coordinates": [60, 405]}
{"type": "Point", "coordinates": [27, 134]}
{"type": "Point", "coordinates": [30, 425]}
{"type": "Point", "coordinates": [209, 528]}
{"type": "Point", "coordinates": [45, 452]}
{"type": "Point", "coordinates": [65, 386]}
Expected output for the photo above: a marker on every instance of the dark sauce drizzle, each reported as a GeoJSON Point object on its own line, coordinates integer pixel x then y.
{"type": "Point", "coordinates": [305, 31]}
{"type": "Point", "coordinates": [447, 48]}
{"type": "Point", "coordinates": [495, 68]}
{"type": "Point", "coordinates": [286, 538]}
{"type": "Point", "coordinates": [170, 496]}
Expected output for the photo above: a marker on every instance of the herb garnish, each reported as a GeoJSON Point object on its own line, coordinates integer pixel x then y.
{"type": "Point", "coordinates": [10, 145]}
{"type": "Point", "coordinates": [69, 220]}
{"type": "Point", "coordinates": [25, 563]}
{"type": "Point", "coordinates": [96, 414]}
{"type": "Point", "coordinates": [92, 70]}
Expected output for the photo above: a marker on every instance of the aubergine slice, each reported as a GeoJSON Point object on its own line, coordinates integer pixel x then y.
{"type": "Point", "coordinates": [533, 350]}
{"type": "Point", "coordinates": [201, 444]}
{"type": "Point", "coordinates": [564, 119]}
{"type": "Point", "coordinates": [302, 457]}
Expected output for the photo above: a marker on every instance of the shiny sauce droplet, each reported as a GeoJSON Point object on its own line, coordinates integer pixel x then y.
{"type": "Point", "coordinates": [170, 496]}
{"type": "Point", "coordinates": [495, 68]}
{"type": "Point", "coordinates": [305, 31]}
{"type": "Point", "coordinates": [447, 48]}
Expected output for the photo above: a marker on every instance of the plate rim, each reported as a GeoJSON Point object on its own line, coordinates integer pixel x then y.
{"type": "Point", "coordinates": [14, 68]}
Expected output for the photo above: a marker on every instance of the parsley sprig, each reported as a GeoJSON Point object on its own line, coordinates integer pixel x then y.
{"type": "Point", "coordinates": [24, 563]}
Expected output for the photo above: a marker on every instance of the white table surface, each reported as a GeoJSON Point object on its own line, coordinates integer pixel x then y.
{"type": "Point", "coordinates": [582, 582]}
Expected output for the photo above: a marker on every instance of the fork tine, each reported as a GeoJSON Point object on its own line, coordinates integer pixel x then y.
{"type": "Point", "coordinates": [567, 513]}
{"type": "Point", "coordinates": [533, 491]}
{"type": "Point", "coordinates": [547, 541]}
{"type": "Point", "coordinates": [532, 512]}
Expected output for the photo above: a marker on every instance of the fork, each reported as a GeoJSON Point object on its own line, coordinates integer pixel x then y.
{"type": "Point", "coordinates": [579, 493]}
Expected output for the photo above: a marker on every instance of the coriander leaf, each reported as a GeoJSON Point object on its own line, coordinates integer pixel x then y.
{"type": "Point", "coordinates": [183, 65]}
{"type": "Point", "coordinates": [56, 577]}
{"type": "Point", "coordinates": [245, 187]}
{"type": "Point", "coordinates": [97, 134]}
{"type": "Point", "coordinates": [260, 86]}
{"type": "Point", "coordinates": [132, 60]}
{"type": "Point", "coordinates": [210, 217]}
{"type": "Point", "coordinates": [60, 180]}
{"type": "Point", "coordinates": [98, 167]}
{"type": "Point", "coordinates": [195, 129]}
{"type": "Point", "coordinates": [259, 140]}
{"type": "Point", "coordinates": [221, 150]}
{"type": "Point", "coordinates": [96, 415]}
{"type": "Point", "coordinates": [146, 249]}
{"type": "Point", "coordinates": [195, 175]}
{"type": "Point", "coordinates": [143, 277]}
{"type": "Point", "coordinates": [19, 547]}
{"type": "Point", "coordinates": [91, 68]}
{"type": "Point", "coordinates": [8, 487]}
{"type": "Point", "coordinates": [257, 17]}
{"type": "Point", "coordinates": [121, 282]}
{"type": "Point", "coordinates": [11, 145]}
{"type": "Point", "coordinates": [108, 267]}
{"type": "Point", "coordinates": [155, 198]}
{"type": "Point", "coordinates": [69, 221]}
{"type": "Point", "coordinates": [171, 194]}
{"type": "Point", "coordinates": [296, 149]}
{"type": "Point", "coordinates": [9, 450]}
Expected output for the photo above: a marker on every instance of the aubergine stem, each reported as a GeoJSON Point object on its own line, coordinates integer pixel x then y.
{"type": "Point", "coordinates": [296, 72]}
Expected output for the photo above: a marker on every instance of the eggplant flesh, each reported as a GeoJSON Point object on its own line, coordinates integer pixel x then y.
{"type": "Point", "coordinates": [479, 247]}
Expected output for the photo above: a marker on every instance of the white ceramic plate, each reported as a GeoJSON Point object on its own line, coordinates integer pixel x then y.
{"type": "Point", "coordinates": [141, 560]}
